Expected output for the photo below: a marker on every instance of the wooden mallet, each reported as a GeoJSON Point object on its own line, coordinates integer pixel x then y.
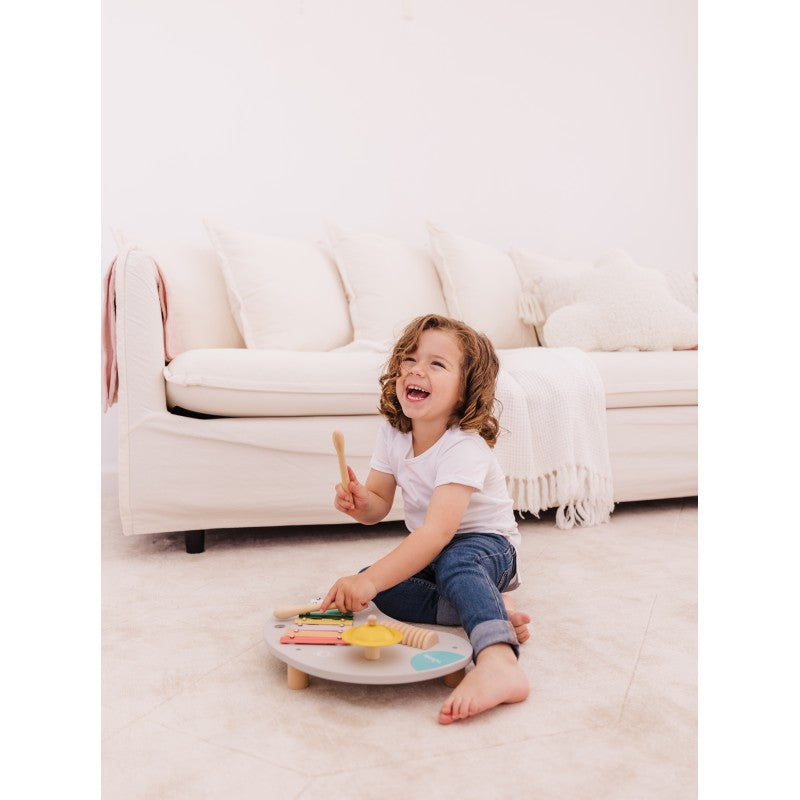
{"type": "Point", "coordinates": [338, 443]}
{"type": "Point", "coordinates": [287, 612]}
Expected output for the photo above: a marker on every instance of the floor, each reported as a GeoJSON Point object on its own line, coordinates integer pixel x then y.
{"type": "Point", "coordinates": [194, 706]}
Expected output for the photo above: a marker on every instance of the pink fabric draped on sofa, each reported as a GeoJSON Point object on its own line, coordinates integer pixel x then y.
{"type": "Point", "coordinates": [172, 345]}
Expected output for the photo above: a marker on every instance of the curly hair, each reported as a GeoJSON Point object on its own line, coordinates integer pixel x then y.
{"type": "Point", "coordinates": [479, 368]}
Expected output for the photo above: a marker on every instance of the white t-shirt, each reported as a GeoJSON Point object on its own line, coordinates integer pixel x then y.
{"type": "Point", "coordinates": [458, 457]}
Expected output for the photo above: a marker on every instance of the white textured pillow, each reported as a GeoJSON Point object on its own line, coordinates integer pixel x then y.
{"type": "Point", "coordinates": [285, 294]}
{"type": "Point", "coordinates": [622, 306]}
{"type": "Point", "coordinates": [388, 282]}
{"type": "Point", "coordinates": [683, 286]}
{"type": "Point", "coordinates": [199, 311]}
{"type": "Point", "coordinates": [481, 287]}
{"type": "Point", "coordinates": [548, 283]}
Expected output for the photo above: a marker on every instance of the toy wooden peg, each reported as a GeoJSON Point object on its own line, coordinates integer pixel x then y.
{"type": "Point", "coordinates": [338, 443]}
{"type": "Point", "coordinates": [454, 678]}
{"type": "Point", "coordinates": [295, 678]}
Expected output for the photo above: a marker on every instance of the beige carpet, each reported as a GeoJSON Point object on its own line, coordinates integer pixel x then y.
{"type": "Point", "coordinates": [193, 705]}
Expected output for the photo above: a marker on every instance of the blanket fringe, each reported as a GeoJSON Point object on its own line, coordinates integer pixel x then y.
{"type": "Point", "coordinates": [583, 498]}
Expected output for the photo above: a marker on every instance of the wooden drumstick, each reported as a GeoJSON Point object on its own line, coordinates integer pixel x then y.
{"type": "Point", "coordinates": [338, 443]}
{"type": "Point", "coordinates": [287, 612]}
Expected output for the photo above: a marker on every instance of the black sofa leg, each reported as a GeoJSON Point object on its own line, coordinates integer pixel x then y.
{"type": "Point", "coordinates": [195, 541]}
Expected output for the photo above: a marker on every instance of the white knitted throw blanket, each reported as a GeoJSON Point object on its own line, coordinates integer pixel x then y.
{"type": "Point", "coordinates": [553, 445]}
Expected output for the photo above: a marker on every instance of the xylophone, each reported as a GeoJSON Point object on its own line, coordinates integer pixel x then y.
{"type": "Point", "coordinates": [315, 643]}
{"type": "Point", "coordinates": [318, 627]}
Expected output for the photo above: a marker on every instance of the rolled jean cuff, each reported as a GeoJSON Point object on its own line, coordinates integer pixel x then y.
{"type": "Point", "coordinates": [493, 631]}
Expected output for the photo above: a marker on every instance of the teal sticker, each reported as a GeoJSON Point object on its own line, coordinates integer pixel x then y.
{"type": "Point", "coordinates": [432, 659]}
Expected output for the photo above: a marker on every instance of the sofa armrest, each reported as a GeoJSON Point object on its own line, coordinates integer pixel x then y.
{"type": "Point", "coordinates": [139, 339]}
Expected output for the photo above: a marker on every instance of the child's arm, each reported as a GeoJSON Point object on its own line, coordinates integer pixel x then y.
{"type": "Point", "coordinates": [371, 503]}
{"type": "Point", "coordinates": [447, 507]}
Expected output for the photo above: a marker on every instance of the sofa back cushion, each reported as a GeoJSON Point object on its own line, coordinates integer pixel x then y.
{"type": "Point", "coordinates": [200, 314]}
{"type": "Point", "coordinates": [284, 293]}
{"type": "Point", "coordinates": [481, 287]}
{"type": "Point", "coordinates": [388, 282]}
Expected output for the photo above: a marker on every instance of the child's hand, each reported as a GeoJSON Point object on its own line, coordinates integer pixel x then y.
{"type": "Point", "coordinates": [352, 593]}
{"type": "Point", "coordinates": [354, 503]}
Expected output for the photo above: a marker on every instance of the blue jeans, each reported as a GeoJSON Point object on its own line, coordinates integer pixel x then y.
{"type": "Point", "coordinates": [461, 586]}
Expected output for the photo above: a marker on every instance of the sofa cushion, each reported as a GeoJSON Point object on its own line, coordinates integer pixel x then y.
{"type": "Point", "coordinates": [274, 383]}
{"type": "Point", "coordinates": [648, 379]}
{"type": "Point", "coordinates": [277, 383]}
{"type": "Point", "coordinates": [284, 293]}
{"type": "Point", "coordinates": [388, 282]}
{"type": "Point", "coordinates": [481, 287]}
{"type": "Point", "coordinates": [199, 312]}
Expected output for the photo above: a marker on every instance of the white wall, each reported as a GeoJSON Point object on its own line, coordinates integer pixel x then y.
{"type": "Point", "coordinates": [564, 126]}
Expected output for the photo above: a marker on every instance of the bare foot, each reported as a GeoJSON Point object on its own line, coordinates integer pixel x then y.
{"type": "Point", "coordinates": [519, 619]}
{"type": "Point", "coordinates": [496, 678]}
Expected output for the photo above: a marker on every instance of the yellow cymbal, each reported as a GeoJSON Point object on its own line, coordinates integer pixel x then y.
{"type": "Point", "coordinates": [372, 634]}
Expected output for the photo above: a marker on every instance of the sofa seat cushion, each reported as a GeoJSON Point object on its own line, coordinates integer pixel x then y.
{"type": "Point", "coordinates": [640, 379]}
{"type": "Point", "coordinates": [274, 383]}
{"type": "Point", "coordinates": [281, 383]}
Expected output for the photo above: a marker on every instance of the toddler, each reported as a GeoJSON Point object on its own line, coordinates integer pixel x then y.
{"type": "Point", "coordinates": [437, 397]}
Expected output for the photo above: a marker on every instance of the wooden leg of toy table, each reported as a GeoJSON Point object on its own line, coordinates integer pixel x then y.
{"type": "Point", "coordinates": [295, 678]}
{"type": "Point", "coordinates": [454, 678]}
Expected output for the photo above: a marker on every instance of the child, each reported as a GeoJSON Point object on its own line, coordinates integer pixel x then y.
{"type": "Point", "coordinates": [438, 396]}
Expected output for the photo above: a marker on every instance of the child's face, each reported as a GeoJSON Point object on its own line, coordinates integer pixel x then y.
{"type": "Point", "coordinates": [430, 378]}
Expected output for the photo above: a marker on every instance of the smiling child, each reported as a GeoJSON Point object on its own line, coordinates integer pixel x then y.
{"type": "Point", "coordinates": [437, 397]}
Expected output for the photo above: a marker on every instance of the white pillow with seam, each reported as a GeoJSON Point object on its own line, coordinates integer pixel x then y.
{"type": "Point", "coordinates": [481, 287]}
{"type": "Point", "coordinates": [285, 294]}
{"type": "Point", "coordinates": [387, 282]}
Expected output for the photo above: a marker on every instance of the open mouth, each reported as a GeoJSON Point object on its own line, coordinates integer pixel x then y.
{"type": "Point", "coordinates": [416, 393]}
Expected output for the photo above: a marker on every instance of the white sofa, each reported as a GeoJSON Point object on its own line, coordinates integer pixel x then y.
{"type": "Point", "coordinates": [229, 436]}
